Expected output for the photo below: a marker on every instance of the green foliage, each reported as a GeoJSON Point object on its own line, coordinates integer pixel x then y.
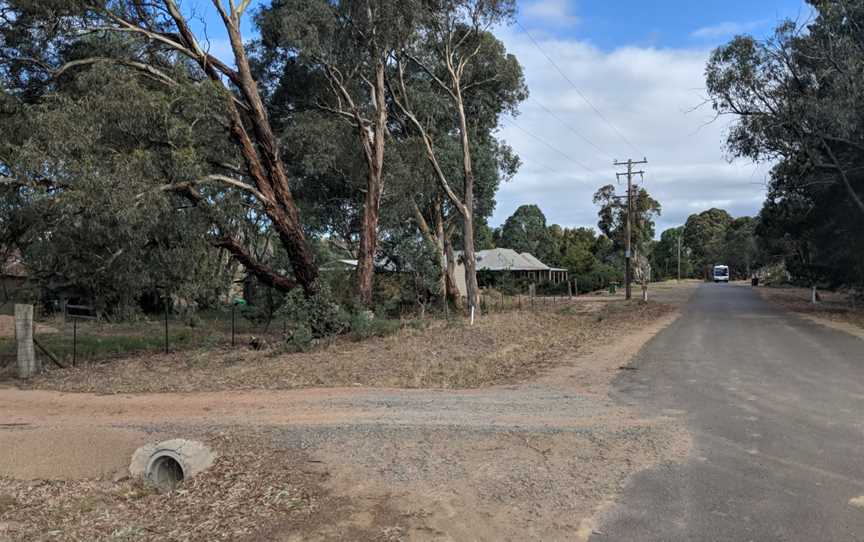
{"type": "Point", "coordinates": [365, 325]}
{"type": "Point", "coordinates": [98, 226]}
{"type": "Point", "coordinates": [507, 284]}
{"type": "Point", "coordinates": [796, 99]}
{"type": "Point", "coordinates": [550, 288]}
{"type": "Point", "coordinates": [525, 231]}
{"type": "Point", "coordinates": [705, 235]}
{"type": "Point", "coordinates": [416, 258]}
{"type": "Point", "coordinates": [613, 214]}
{"type": "Point", "coordinates": [599, 277]}
{"type": "Point", "coordinates": [93, 149]}
{"type": "Point", "coordinates": [320, 313]}
{"type": "Point", "coordinates": [664, 257]}
{"type": "Point", "coordinates": [741, 250]}
{"type": "Point", "coordinates": [301, 338]}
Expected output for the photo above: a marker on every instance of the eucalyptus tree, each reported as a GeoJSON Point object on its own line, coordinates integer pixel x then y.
{"type": "Point", "coordinates": [795, 100]}
{"type": "Point", "coordinates": [705, 235]}
{"type": "Point", "coordinates": [419, 194]}
{"type": "Point", "coordinates": [526, 231]}
{"type": "Point", "coordinates": [347, 42]}
{"type": "Point", "coordinates": [79, 161]}
{"type": "Point", "coordinates": [154, 44]}
{"type": "Point", "coordinates": [452, 56]}
{"type": "Point", "coordinates": [613, 216]}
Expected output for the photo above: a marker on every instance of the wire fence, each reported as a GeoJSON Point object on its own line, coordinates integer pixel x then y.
{"type": "Point", "coordinates": [78, 337]}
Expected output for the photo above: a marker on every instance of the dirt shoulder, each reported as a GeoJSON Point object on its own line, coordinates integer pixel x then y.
{"type": "Point", "coordinates": [252, 489]}
{"type": "Point", "coordinates": [833, 309]}
{"type": "Point", "coordinates": [500, 348]}
{"type": "Point", "coordinates": [530, 456]}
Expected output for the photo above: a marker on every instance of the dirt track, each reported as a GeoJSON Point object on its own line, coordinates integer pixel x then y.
{"type": "Point", "coordinates": [528, 461]}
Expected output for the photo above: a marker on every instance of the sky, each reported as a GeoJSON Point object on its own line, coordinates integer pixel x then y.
{"type": "Point", "coordinates": [629, 83]}
{"type": "Point", "coordinates": [641, 65]}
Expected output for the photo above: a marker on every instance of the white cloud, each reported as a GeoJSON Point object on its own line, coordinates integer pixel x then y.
{"type": "Point", "coordinates": [727, 28]}
{"type": "Point", "coordinates": [646, 93]}
{"type": "Point", "coordinates": [555, 12]}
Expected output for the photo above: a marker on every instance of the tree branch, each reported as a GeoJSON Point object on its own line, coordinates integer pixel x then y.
{"type": "Point", "coordinates": [432, 75]}
{"type": "Point", "coordinates": [150, 70]}
{"type": "Point", "coordinates": [260, 271]}
{"type": "Point", "coordinates": [182, 187]}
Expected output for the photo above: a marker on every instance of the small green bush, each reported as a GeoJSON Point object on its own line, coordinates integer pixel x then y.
{"type": "Point", "coordinates": [320, 313]}
{"type": "Point", "coordinates": [301, 339]}
{"type": "Point", "coordinates": [365, 325]}
{"type": "Point", "coordinates": [419, 323]}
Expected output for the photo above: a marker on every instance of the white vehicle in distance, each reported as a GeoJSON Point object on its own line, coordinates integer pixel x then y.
{"type": "Point", "coordinates": [721, 273]}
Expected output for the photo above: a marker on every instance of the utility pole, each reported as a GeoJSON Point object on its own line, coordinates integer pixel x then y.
{"type": "Point", "coordinates": [628, 269]}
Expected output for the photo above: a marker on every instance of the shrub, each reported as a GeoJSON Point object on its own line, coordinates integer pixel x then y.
{"type": "Point", "coordinates": [551, 288]}
{"type": "Point", "coordinates": [365, 325]}
{"type": "Point", "coordinates": [321, 314]}
{"type": "Point", "coordinates": [300, 340]}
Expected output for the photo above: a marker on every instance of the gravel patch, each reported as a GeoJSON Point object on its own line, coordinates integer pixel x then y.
{"type": "Point", "coordinates": [533, 452]}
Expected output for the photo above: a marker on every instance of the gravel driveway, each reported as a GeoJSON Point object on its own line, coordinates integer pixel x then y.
{"type": "Point", "coordinates": [531, 461]}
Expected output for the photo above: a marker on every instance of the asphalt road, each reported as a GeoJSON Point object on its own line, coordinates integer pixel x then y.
{"type": "Point", "coordinates": [775, 404]}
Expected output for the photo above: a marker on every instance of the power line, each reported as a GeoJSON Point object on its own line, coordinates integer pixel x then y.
{"type": "Point", "coordinates": [544, 166]}
{"type": "Point", "coordinates": [581, 95]}
{"type": "Point", "coordinates": [574, 130]}
{"type": "Point", "coordinates": [559, 151]}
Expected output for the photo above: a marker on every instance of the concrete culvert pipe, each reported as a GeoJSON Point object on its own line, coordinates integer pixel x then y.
{"type": "Point", "coordinates": [166, 464]}
{"type": "Point", "coordinates": [165, 470]}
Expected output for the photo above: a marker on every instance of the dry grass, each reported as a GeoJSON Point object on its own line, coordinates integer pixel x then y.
{"type": "Point", "coordinates": [834, 306]}
{"type": "Point", "coordinates": [499, 348]}
{"type": "Point", "coordinates": [250, 490]}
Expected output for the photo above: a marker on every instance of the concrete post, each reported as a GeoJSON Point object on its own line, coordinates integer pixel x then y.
{"type": "Point", "coordinates": [28, 365]}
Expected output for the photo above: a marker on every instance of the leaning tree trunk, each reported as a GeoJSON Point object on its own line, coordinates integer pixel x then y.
{"type": "Point", "coordinates": [260, 150]}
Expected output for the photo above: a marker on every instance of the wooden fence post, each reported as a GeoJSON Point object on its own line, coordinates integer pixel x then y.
{"type": "Point", "coordinates": [28, 365]}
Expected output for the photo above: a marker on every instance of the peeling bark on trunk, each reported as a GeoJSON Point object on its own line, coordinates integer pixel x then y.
{"type": "Point", "coordinates": [368, 242]}
{"type": "Point", "coordinates": [469, 254]}
{"type": "Point", "coordinates": [374, 151]}
{"type": "Point", "coordinates": [259, 148]}
{"type": "Point", "coordinates": [269, 176]}
{"type": "Point", "coordinates": [441, 238]}
{"type": "Point", "coordinates": [453, 293]}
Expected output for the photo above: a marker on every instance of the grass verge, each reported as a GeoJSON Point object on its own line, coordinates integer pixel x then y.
{"type": "Point", "coordinates": [498, 349]}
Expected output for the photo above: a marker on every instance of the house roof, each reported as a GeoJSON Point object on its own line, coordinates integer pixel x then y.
{"type": "Point", "coordinates": [496, 259]}
{"type": "Point", "coordinates": [507, 259]}
{"type": "Point", "coordinates": [533, 260]}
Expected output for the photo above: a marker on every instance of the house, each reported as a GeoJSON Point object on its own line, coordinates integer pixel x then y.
{"type": "Point", "coordinates": [522, 266]}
